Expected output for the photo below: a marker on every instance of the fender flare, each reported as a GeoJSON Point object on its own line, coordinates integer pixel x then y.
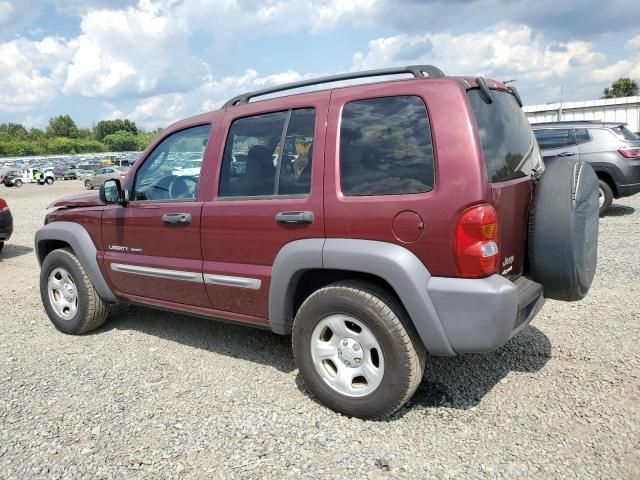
{"type": "Point", "coordinates": [398, 266]}
{"type": "Point", "coordinates": [80, 241]}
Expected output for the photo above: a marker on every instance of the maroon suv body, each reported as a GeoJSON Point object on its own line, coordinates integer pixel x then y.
{"type": "Point", "coordinates": [307, 207]}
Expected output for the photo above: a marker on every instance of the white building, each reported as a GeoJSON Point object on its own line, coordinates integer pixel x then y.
{"type": "Point", "coordinates": [623, 110]}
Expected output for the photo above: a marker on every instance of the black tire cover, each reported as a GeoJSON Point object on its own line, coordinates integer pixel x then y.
{"type": "Point", "coordinates": [563, 229]}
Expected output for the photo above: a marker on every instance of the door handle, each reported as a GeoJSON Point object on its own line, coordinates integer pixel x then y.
{"type": "Point", "coordinates": [302, 218]}
{"type": "Point", "coordinates": [177, 218]}
{"type": "Point", "coordinates": [566, 154]}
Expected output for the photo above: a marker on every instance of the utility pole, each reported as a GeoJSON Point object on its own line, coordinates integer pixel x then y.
{"type": "Point", "coordinates": [560, 109]}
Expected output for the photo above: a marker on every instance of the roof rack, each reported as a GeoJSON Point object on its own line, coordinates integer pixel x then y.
{"type": "Point", "coordinates": [418, 71]}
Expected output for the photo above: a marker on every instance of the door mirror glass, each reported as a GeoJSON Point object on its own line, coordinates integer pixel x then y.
{"type": "Point", "coordinates": [111, 192]}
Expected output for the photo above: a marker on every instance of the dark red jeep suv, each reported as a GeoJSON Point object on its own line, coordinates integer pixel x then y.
{"type": "Point", "coordinates": [374, 223]}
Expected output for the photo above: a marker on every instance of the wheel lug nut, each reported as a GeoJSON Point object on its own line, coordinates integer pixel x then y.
{"type": "Point", "coordinates": [356, 347]}
{"type": "Point", "coordinates": [345, 342]}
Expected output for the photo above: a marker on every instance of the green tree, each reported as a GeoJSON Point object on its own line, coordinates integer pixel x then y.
{"type": "Point", "coordinates": [62, 126]}
{"type": "Point", "coordinates": [36, 134]}
{"type": "Point", "coordinates": [14, 130]}
{"type": "Point", "coordinates": [121, 141]}
{"type": "Point", "coordinates": [622, 87]}
{"type": "Point", "coordinates": [108, 127]}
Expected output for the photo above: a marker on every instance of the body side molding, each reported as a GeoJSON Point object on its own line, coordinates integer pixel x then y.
{"type": "Point", "coordinates": [78, 238]}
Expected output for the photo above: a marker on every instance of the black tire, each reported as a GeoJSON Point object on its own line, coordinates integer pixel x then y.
{"type": "Point", "coordinates": [92, 310]}
{"type": "Point", "coordinates": [49, 181]}
{"type": "Point", "coordinates": [88, 185]}
{"type": "Point", "coordinates": [17, 183]}
{"type": "Point", "coordinates": [605, 191]}
{"type": "Point", "coordinates": [1, 246]}
{"type": "Point", "coordinates": [381, 313]}
{"type": "Point", "coordinates": [563, 229]}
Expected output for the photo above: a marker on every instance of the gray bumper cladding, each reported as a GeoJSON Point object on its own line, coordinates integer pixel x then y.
{"type": "Point", "coordinates": [479, 315]}
{"type": "Point", "coordinates": [80, 242]}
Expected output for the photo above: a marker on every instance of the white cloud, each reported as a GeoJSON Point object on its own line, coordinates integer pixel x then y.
{"type": "Point", "coordinates": [6, 10]}
{"type": "Point", "coordinates": [629, 67]}
{"type": "Point", "coordinates": [504, 49]}
{"type": "Point", "coordinates": [132, 52]}
{"type": "Point", "coordinates": [32, 72]}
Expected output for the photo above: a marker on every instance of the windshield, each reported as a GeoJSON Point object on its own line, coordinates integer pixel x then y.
{"type": "Point", "coordinates": [509, 146]}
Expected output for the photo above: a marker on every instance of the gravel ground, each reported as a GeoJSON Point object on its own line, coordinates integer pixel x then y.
{"type": "Point", "coordinates": [157, 395]}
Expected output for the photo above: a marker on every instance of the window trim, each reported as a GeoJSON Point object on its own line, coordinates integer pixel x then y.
{"type": "Point", "coordinates": [283, 136]}
{"type": "Point", "coordinates": [140, 165]}
{"type": "Point", "coordinates": [339, 141]}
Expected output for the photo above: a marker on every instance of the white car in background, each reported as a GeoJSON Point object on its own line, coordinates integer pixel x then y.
{"type": "Point", "coordinates": [190, 168]}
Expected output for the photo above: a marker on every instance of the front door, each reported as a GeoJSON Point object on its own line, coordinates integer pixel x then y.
{"type": "Point", "coordinates": [268, 193]}
{"type": "Point", "coordinates": [152, 245]}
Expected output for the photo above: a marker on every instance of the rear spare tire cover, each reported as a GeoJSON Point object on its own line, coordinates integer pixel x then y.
{"type": "Point", "coordinates": [563, 229]}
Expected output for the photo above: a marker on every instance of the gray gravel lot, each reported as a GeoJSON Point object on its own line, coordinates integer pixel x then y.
{"type": "Point", "coordinates": [158, 395]}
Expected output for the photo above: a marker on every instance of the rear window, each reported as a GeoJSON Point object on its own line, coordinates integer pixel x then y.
{"type": "Point", "coordinates": [624, 132]}
{"type": "Point", "coordinates": [385, 147]}
{"type": "Point", "coordinates": [506, 137]}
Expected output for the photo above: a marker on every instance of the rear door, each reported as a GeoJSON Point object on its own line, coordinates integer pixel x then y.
{"type": "Point", "coordinates": [511, 156]}
{"type": "Point", "coordinates": [268, 192]}
{"type": "Point", "coordinates": [152, 245]}
{"type": "Point", "coordinates": [557, 142]}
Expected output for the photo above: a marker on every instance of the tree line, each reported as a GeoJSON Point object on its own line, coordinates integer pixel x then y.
{"type": "Point", "coordinates": [62, 136]}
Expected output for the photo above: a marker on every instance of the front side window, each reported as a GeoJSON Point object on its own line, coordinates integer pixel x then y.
{"type": "Point", "coordinates": [269, 155]}
{"type": "Point", "coordinates": [162, 176]}
{"type": "Point", "coordinates": [385, 147]}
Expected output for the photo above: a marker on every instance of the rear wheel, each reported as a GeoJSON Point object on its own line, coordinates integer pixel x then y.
{"type": "Point", "coordinates": [605, 197]}
{"type": "Point", "coordinates": [88, 185]}
{"type": "Point", "coordinates": [68, 296]}
{"type": "Point", "coordinates": [356, 350]}
{"type": "Point", "coordinates": [49, 181]}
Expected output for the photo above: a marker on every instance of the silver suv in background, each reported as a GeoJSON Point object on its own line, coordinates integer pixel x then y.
{"type": "Point", "coordinates": [611, 148]}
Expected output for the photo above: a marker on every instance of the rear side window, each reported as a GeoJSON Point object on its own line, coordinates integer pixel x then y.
{"type": "Point", "coordinates": [385, 147]}
{"type": "Point", "coordinates": [268, 155]}
{"type": "Point", "coordinates": [505, 135]}
{"type": "Point", "coordinates": [555, 138]}
{"type": "Point", "coordinates": [582, 135]}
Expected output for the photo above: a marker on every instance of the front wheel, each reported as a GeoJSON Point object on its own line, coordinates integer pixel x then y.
{"type": "Point", "coordinates": [605, 197]}
{"type": "Point", "coordinates": [88, 185]}
{"type": "Point", "coordinates": [17, 183]}
{"type": "Point", "coordinates": [68, 296]}
{"type": "Point", "coordinates": [49, 181]}
{"type": "Point", "coordinates": [356, 349]}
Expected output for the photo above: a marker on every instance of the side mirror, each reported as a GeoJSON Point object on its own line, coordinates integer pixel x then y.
{"type": "Point", "coordinates": [111, 192]}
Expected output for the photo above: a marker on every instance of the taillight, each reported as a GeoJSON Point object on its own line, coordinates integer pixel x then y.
{"type": "Point", "coordinates": [476, 247]}
{"type": "Point", "coordinates": [3, 205]}
{"type": "Point", "coordinates": [630, 152]}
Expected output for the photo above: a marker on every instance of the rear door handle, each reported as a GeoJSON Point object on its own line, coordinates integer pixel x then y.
{"type": "Point", "coordinates": [177, 218]}
{"type": "Point", "coordinates": [566, 154]}
{"type": "Point", "coordinates": [302, 218]}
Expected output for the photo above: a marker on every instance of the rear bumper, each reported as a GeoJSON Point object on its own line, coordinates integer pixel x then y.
{"type": "Point", "coordinates": [628, 190]}
{"type": "Point", "coordinates": [480, 315]}
{"type": "Point", "coordinates": [6, 225]}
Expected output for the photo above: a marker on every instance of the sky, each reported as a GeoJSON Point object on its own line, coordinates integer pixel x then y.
{"type": "Point", "coordinates": [157, 61]}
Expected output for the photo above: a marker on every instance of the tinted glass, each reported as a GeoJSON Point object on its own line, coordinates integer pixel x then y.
{"type": "Point", "coordinates": [385, 147]}
{"type": "Point", "coordinates": [253, 155]}
{"type": "Point", "coordinates": [162, 177]}
{"type": "Point", "coordinates": [505, 135]}
{"type": "Point", "coordinates": [295, 169]}
{"type": "Point", "coordinates": [554, 138]}
{"type": "Point", "coordinates": [582, 135]}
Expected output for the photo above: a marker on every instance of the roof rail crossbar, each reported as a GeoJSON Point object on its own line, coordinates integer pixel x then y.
{"type": "Point", "coordinates": [418, 71]}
